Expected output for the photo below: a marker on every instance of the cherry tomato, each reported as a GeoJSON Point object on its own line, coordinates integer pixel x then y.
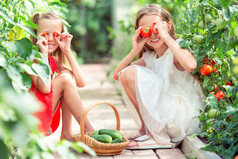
{"type": "Point", "coordinates": [56, 34]}
{"type": "Point", "coordinates": [206, 70]}
{"type": "Point", "coordinates": [220, 23]}
{"type": "Point", "coordinates": [229, 83]}
{"type": "Point", "coordinates": [214, 69]}
{"type": "Point", "coordinates": [219, 95]}
{"type": "Point", "coordinates": [209, 62]}
{"type": "Point", "coordinates": [215, 88]}
{"type": "Point", "coordinates": [145, 31]}
{"type": "Point", "coordinates": [198, 39]}
{"type": "Point", "coordinates": [155, 30]}
{"type": "Point", "coordinates": [45, 33]}
{"type": "Point", "coordinates": [207, 18]}
{"type": "Point", "coordinates": [212, 113]}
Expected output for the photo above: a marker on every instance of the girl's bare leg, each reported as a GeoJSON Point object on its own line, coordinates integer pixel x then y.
{"type": "Point", "coordinates": [65, 89]}
{"type": "Point", "coordinates": [127, 79]}
{"type": "Point", "coordinates": [66, 132]}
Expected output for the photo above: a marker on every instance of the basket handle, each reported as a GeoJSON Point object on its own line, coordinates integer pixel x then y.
{"type": "Point", "coordinates": [91, 107]}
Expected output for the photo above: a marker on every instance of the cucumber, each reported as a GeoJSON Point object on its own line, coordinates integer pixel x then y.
{"type": "Point", "coordinates": [102, 138]}
{"type": "Point", "coordinates": [95, 132]}
{"type": "Point", "coordinates": [116, 141]}
{"type": "Point", "coordinates": [113, 133]}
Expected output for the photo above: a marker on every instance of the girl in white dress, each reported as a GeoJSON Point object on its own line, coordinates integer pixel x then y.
{"type": "Point", "coordinates": [159, 87]}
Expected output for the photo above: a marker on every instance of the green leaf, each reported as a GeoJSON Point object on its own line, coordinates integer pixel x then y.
{"type": "Point", "coordinates": [27, 68]}
{"type": "Point", "coordinates": [11, 47]}
{"type": "Point", "coordinates": [17, 79]}
{"type": "Point", "coordinates": [3, 60]}
{"type": "Point", "coordinates": [42, 70]}
{"type": "Point", "coordinates": [24, 47]}
{"type": "Point", "coordinates": [28, 30]}
{"type": "Point", "coordinates": [86, 148]}
{"type": "Point", "coordinates": [33, 25]}
{"type": "Point", "coordinates": [6, 17]}
{"type": "Point", "coordinates": [4, 150]}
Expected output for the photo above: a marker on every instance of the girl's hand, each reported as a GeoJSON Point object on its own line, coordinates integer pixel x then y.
{"type": "Point", "coordinates": [64, 42]}
{"type": "Point", "coordinates": [138, 42]}
{"type": "Point", "coordinates": [42, 43]}
{"type": "Point", "coordinates": [163, 28]}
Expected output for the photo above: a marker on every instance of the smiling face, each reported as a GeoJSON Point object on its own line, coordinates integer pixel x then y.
{"type": "Point", "coordinates": [154, 40]}
{"type": "Point", "coordinates": [50, 27]}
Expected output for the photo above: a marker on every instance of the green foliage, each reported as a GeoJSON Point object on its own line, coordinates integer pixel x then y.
{"type": "Point", "coordinates": [91, 27]}
{"type": "Point", "coordinates": [19, 136]}
{"type": "Point", "coordinates": [215, 22]}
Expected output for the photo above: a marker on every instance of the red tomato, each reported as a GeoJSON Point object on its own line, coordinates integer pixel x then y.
{"type": "Point", "coordinates": [155, 30]}
{"type": "Point", "coordinates": [145, 31]}
{"type": "Point", "coordinates": [206, 70]}
{"type": "Point", "coordinates": [44, 33]}
{"type": "Point", "coordinates": [215, 88]}
{"type": "Point", "coordinates": [214, 69]}
{"type": "Point", "coordinates": [219, 95]}
{"type": "Point", "coordinates": [229, 116]}
{"type": "Point", "coordinates": [209, 62]}
{"type": "Point", "coordinates": [236, 157]}
{"type": "Point", "coordinates": [229, 83]}
{"type": "Point", "coordinates": [56, 34]}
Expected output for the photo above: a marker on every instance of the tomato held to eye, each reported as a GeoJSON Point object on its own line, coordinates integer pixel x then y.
{"type": "Point", "coordinates": [155, 30]}
{"type": "Point", "coordinates": [219, 95]}
{"type": "Point", "coordinates": [206, 70]}
{"type": "Point", "coordinates": [56, 34]}
{"type": "Point", "coordinates": [44, 33]}
{"type": "Point", "coordinates": [145, 31]}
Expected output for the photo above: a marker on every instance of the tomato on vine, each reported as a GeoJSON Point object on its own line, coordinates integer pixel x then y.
{"type": "Point", "coordinates": [206, 70]}
{"type": "Point", "coordinates": [198, 39]}
{"type": "Point", "coordinates": [220, 23]}
{"type": "Point", "coordinates": [219, 95]}
{"type": "Point", "coordinates": [207, 18]}
{"type": "Point", "coordinates": [209, 62]}
{"type": "Point", "coordinates": [229, 83]}
{"type": "Point", "coordinates": [212, 113]}
{"type": "Point", "coordinates": [214, 70]}
{"type": "Point", "coordinates": [145, 31]}
{"type": "Point", "coordinates": [215, 88]}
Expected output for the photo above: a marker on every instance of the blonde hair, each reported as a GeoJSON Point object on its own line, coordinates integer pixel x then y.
{"type": "Point", "coordinates": [58, 53]}
{"type": "Point", "coordinates": [154, 9]}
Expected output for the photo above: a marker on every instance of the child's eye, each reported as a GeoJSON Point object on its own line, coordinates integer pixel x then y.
{"type": "Point", "coordinates": [44, 33]}
{"type": "Point", "coordinates": [56, 34]}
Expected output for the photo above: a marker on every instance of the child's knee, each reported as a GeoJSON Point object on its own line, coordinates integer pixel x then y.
{"type": "Point", "coordinates": [128, 75]}
{"type": "Point", "coordinates": [66, 79]}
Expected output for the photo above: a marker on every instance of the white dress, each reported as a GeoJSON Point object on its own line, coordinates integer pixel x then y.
{"type": "Point", "coordinates": [169, 100]}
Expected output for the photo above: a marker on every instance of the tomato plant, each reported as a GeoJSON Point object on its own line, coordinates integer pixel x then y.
{"type": "Point", "coordinates": [215, 44]}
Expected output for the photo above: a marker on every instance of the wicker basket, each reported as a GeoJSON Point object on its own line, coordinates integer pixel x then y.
{"type": "Point", "coordinates": [99, 147]}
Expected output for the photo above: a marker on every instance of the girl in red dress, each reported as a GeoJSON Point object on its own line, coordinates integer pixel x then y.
{"type": "Point", "coordinates": [61, 88]}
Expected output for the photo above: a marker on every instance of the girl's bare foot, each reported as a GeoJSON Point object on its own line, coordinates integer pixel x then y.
{"type": "Point", "coordinates": [68, 137]}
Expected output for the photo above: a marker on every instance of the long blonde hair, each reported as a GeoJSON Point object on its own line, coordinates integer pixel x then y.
{"type": "Point", "coordinates": [154, 9]}
{"type": "Point", "coordinates": [58, 53]}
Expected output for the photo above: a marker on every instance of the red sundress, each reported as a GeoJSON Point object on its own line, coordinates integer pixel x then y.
{"type": "Point", "coordinates": [48, 122]}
